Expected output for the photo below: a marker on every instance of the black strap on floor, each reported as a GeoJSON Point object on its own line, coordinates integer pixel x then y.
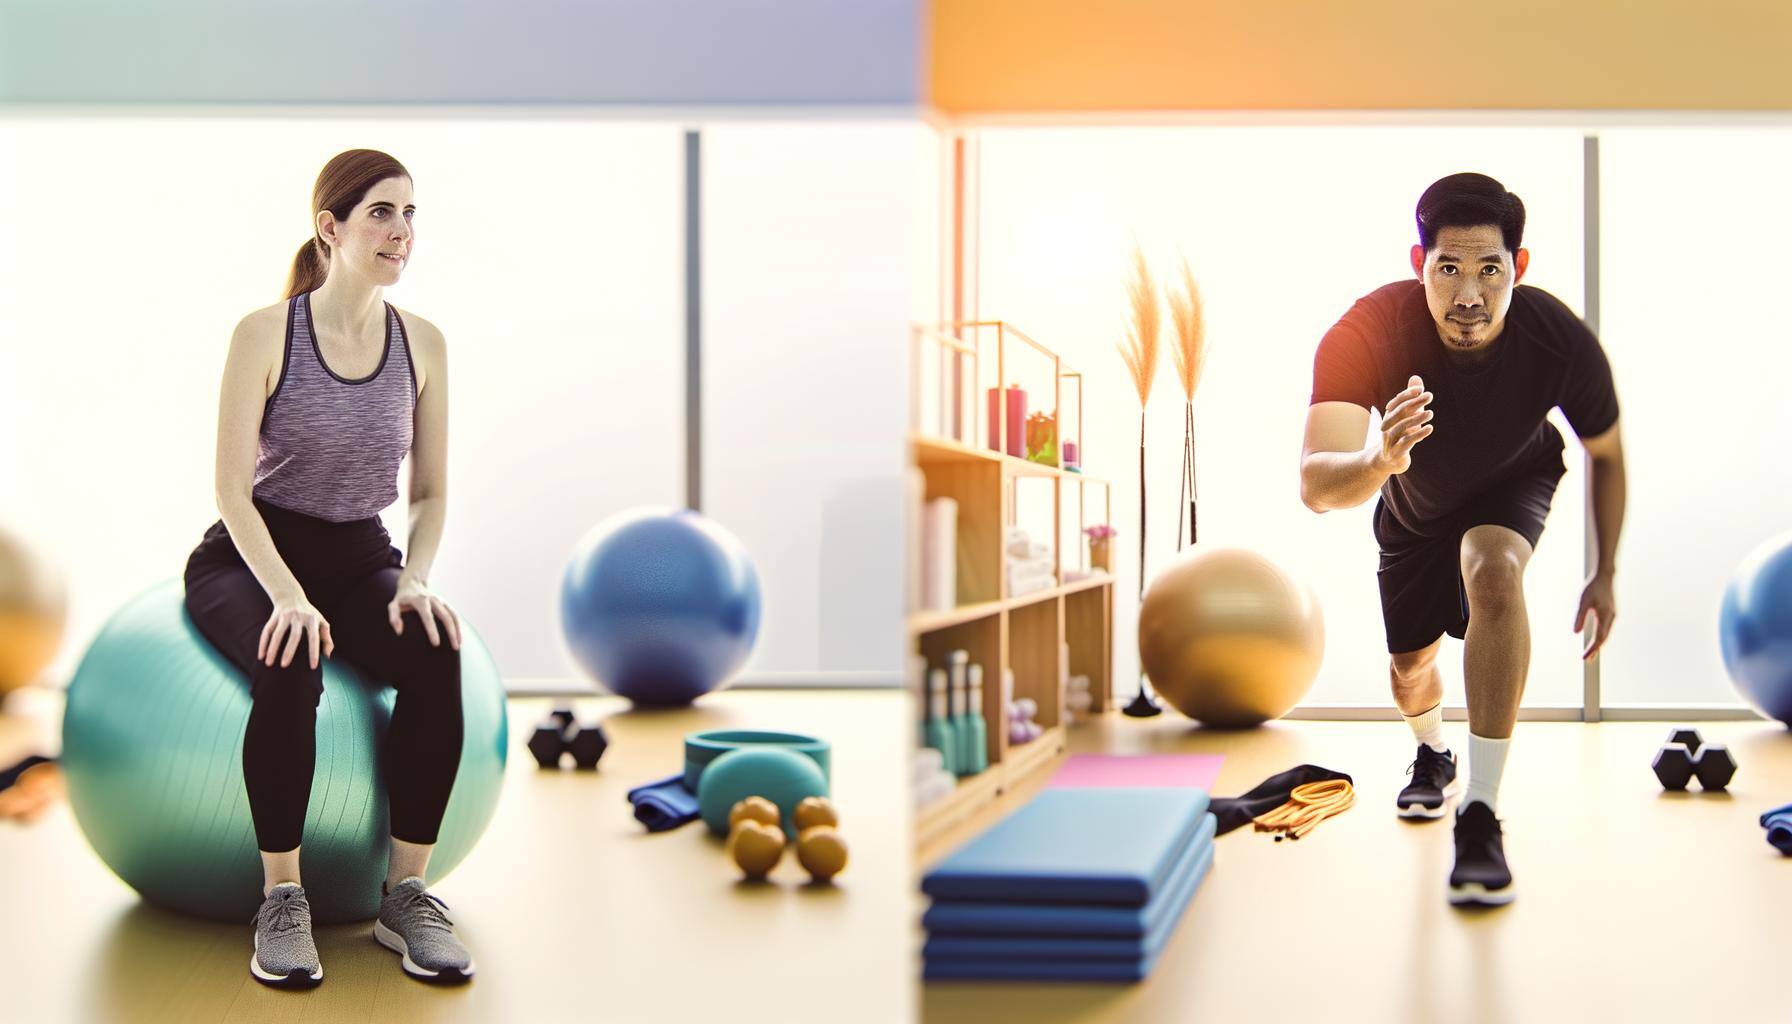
{"type": "Point", "coordinates": [8, 776]}
{"type": "Point", "coordinates": [1269, 794]}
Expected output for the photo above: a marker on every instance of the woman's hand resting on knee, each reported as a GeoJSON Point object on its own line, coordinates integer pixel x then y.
{"type": "Point", "coordinates": [295, 620]}
{"type": "Point", "coordinates": [413, 595]}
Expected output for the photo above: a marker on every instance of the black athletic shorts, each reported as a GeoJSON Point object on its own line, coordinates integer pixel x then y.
{"type": "Point", "coordinates": [1422, 593]}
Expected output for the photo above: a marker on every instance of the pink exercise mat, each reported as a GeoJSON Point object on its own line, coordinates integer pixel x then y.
{"type": "Point", "coordinates": [1144, 770]}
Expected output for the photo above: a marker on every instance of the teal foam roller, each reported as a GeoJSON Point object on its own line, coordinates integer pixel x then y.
{"type": "Point", "coordinates": [782, 776]}
{"type": "Point", "coordinates": [153, 753]}
{"type": "Point", "coordinates": [700, 748]}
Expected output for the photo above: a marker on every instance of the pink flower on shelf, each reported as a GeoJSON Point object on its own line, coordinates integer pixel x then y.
{"type": "Point", "coordinates": [1100, 531]}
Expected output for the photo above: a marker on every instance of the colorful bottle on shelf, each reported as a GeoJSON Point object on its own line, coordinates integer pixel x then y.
{"type": "Point", "coordinates": [917, 674]}
{"type": "Point", "coordinates": [976, 729]}
{"type": "Point", "coordinates": [940, 734]}
{"type": "Point", "coordinates": [957, 683]}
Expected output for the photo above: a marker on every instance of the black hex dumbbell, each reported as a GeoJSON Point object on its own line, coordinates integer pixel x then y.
{"type": "Point", "coordinates": [587, 746]}
{"type": "Point", "coordinates": [550, 737]}
{"type": "Point", "coordinates": [1686, 755]}
{"type": "Point", "coordinates": [1714, 766]}
{"type": "Point", "coordinates": [560, 733]}
{"type": "Point", "coordinates": [1673, 765]}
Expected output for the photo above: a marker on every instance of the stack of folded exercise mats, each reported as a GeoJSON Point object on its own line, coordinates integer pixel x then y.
{"type": "Point", "coordinates": [1081, 884]}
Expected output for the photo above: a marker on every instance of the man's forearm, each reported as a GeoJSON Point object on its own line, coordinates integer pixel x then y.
{"type": "Point", "coordinates": [1608, 494]}
{"type": "Point", "coordinates": [1333, 480]}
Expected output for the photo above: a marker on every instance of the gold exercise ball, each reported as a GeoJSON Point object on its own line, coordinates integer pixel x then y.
{"type": "Point", "coordinates": [33, 611]}
{"type": "Point", "coordinates": [1230, 639]}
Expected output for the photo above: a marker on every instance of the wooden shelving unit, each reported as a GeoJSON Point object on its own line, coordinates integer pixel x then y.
{"type": "Point", "coordinates": [1000, 630]}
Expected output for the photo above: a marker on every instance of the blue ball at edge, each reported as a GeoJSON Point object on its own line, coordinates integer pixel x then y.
{"type": "Point", "coordinates": [1755, 627]}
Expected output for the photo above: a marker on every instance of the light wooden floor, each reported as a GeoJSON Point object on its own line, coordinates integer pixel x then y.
{"type": "Point", "coordinates": [572, 911]}
{"type": "Point", "coordinates": [1633, 905]}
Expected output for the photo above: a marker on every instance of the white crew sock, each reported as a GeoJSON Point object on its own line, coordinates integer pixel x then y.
{"type": "Point", "coordinates": [1428, 726]}
{"type": "Point", "coordinates": [1486, 763]}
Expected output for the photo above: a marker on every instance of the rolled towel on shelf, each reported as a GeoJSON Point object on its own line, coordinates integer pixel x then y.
{"type": "Point", "coordinates": [939, 555]}
{"type": "Point", "coordinates": [1028, 550]}
{"type": "Point", "coordinates": [934, 789]}
{"type": "Point", "coordinates": [928, 763]}
{"type": "Point", "coordinates": [1018, 583]}
{"type": "Point", "coordinates": [914, 531]}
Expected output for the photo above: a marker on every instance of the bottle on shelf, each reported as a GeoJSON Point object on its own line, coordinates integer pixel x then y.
{"type": "Point", "coordinates": [940, 734]}
{"type": "Point", "coordinates": [957, 706]}
{"type": "Point", "coordinates": [976, 729]}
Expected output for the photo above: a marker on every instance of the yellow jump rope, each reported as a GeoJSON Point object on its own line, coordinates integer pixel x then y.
{"type": "Point", "coordinates": [1307, 806]}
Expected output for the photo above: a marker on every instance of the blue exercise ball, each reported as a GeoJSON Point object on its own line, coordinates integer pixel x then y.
{"type": "Point", "coordinates": [660, 605]}
{"type": "Point", "coordinates": [152, 748]}
{"type": "Point", "coordinates": [1756, 627]}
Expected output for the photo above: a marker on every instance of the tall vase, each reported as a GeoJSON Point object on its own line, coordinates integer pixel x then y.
{"type": "Point", "coordinates": [1143, 704]}
{"type": "Point", "coordinates": [1188, 475]}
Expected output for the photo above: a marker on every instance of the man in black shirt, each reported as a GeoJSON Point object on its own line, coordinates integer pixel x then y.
{"type": "Point", "coordinates": [1464, 365]}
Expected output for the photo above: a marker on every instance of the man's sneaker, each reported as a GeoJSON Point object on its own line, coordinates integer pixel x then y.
{"type": "Point", "coordinates": [1480, 875]}
{"type": "Point", "coordinates": [1433, 783]}
{"type": "Point", "coordinates": [411, 924]}
{"type": "Point", "coordinates": [285, 956]}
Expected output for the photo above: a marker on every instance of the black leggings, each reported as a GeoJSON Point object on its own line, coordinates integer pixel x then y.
{"type": "Point", "coordinates": [349, 572]}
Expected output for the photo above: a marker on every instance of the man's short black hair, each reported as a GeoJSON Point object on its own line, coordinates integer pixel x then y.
{"type": "Point", "coordinates": [1470, 201]}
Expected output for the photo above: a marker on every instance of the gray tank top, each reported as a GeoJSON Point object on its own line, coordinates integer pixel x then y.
{"type": "Point", "coordinates": [331, 446]}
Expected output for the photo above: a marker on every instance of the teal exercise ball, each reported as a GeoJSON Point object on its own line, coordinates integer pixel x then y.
{"type": "Point", "coordinates": [782, 776]}
{"type": "Point", "coordinates": [152, 742]}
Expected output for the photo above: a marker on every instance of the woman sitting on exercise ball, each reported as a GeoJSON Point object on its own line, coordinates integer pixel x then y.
{"type": "Point", "coordinates": [323, 396]}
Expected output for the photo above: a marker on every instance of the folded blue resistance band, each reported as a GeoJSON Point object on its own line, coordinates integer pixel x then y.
{"type": "Point", "coordinates": [1778, 823]}
{"type": "Point", "coordinates": [665, 804]}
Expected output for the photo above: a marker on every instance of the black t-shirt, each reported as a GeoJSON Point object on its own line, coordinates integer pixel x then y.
{"type": "Point", "coordinates": [1488, 415]}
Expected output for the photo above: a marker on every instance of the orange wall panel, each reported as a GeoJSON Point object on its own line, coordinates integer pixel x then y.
{"type": "Point", "coordinates": [1015, 56]}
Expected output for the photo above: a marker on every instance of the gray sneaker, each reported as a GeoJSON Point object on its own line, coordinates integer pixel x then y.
{"type": "Point", "coordinates": [411, 924]}
{"type": "Point", "coordinates": [285, 956]}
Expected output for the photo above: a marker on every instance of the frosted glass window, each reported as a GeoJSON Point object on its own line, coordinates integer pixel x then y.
{"type": "Point", "coordinates": [1691, 304]}
{"type": "Point", "coordinates": [817, 248]}
{"type": "Point", "coordinates": [1283, 228]}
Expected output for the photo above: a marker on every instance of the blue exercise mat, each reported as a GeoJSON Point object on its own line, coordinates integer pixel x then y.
{"type": "Point", "coordinates": [1174, 900]}
{"type": "Point", "coordinates": [1034, 970]}
{"type": "Point", "coordinates": [1102, 846]}
{"type": "Point", "coordinates": [973, 918]}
